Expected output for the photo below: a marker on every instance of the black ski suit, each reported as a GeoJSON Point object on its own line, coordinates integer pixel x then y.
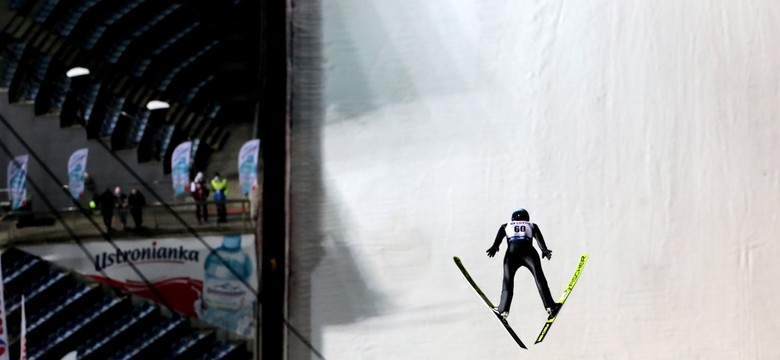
{"type": "Point", "coordinates": [520, 252]}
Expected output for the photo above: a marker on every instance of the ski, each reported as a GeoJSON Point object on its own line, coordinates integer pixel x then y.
{"type": "Point", "coordinates": [562, 300]}
{"type": "Point", "coordinates": [487, 302]}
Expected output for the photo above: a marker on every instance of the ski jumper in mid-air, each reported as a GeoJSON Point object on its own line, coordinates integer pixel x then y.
{"type": "Point", "coordinates": [519, 234]}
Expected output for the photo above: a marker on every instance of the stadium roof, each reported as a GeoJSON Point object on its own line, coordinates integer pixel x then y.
{"type": "Point", "coordinates": [201, 58]}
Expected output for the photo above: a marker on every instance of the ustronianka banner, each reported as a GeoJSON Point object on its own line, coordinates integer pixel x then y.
{"type": "Point", "coordinates": [4, 351]}
{"type": "Point", "coordinates": [77, 167]}
{"type": "Point", "coordinates": [247, 165]}
{"type": "Point", "coordinates": [180, 167]}
{"type": "Point", "coordinates": [192, 280]}
{"type": "Point", "coordinates": [17, 181]}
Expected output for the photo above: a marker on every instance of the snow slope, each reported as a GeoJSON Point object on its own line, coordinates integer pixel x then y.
{"type": "Point", "coordinates": [642, 132]}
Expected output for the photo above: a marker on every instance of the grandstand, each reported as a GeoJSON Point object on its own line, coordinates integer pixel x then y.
{"type": "Point", "coordinates": [129, 82]}
{"type": "Point", "coordinates": [66, 312]}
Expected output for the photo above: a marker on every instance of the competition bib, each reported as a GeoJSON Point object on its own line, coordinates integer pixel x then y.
{"type": "Point", "coordinates": [519, 230]}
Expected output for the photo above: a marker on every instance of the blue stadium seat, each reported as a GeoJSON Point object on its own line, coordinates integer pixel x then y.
{"type": "Point", "coordinates": [117, 50]}
{"type": "Point", "coordinates": [170, 41]}
{"type": "Point", "coordinates": [45, 10]}
{"type": "Point", "coordinates": [186, 347]}
{"type": "Point", "coordinates": [88, 101]}
{"type": "Point", "coordinates": [64, 306]}
{"type": "Point", "coordinates": [166, 81]}
{"type": "Point", "coordinates": [140, 67]}
{"type": "Point", "coordinates": [11, 64]}
{"type": "Point", "coordinates": [226, 351]}
{"type": "Point", "coordinates": [136, 132]}
{"type": "Point", "coordinates": [123, 10]}
{"type": "Point", "coordinates": [86, 324]}
{"type": "Point", "coordinates": [16, 4]}
{"type": "Point", "coordinates": [60, 92]}
{"type": "Point", "coordinates": [94, 36]}
{"type": "Point", "coordinates": [193, 92]}
{"type": "Point", "coordinates": [165, 135]}
{"type": "Point", "coordinates": [148, 342]}
{"type": "Point", "coordinates": [66, 27]}
{"type": "Point", "coordinates": [112, 116]}
{"type": "Point", "coordinates": [156, 19]}
{"type": "Point", "coordinates": [14, 301]}
{"type": "Point", "coordinates": [101, 346]}
{"type": "Point", "coordinates": [38, 74]}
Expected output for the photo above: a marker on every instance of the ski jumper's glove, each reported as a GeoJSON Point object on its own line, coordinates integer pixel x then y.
{"type": "Point", "coordinates": [492, 251]}
{"type": "Point", "coordinates": [547, 254]}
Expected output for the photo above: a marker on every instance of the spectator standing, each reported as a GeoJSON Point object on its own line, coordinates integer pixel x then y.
{"type": "Point", "coordinates": [220, 187]}
{"type": "Point", "coordinates": [26, 217]}
{"type": "Point", "coordinates": [91, 190]}
{"type": "Point", "coordinates": [90, 187]}
{"type": "Point", "coordinates": [200, 193]}
{"type": "Point", "coordinates": [254, 201]}
{"type": "Point", "coordinates": [121, 206]}
{"type": "Point", "coordinates": [107, 201]}
{"type": "Point", "coordinates": [136, 201]}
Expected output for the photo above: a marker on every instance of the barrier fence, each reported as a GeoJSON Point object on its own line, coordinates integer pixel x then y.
{"type": "Point", "coordinates": [34, 226]}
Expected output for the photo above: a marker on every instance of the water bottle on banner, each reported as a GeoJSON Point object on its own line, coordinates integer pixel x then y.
{"type": "Point", "coordinates": [227, 301]}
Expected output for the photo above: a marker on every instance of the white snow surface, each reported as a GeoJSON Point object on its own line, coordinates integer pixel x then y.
{"type": "Point", "coordinates": [644, 133]}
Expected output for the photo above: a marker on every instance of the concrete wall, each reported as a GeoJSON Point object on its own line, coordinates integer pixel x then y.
{"type": "Point", "coordinates": [644, 133]}
{"type": "Point", "coordinates": [55, 145]}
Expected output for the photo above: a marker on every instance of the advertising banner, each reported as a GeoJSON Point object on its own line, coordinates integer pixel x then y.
{"type": "Point", "coordinates": [247, 165]}
{"type": "Point", "coordinates": [180, 168]}
{"type": "Point", "coordinates": [217, 287]}
{"type": "Point", "coordinates": [77, 167]}
{"type": "Point", "coordinates": [17, 181]}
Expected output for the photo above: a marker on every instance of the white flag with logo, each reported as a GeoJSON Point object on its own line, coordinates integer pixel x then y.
{"type": "Point", "coordinates": [17, 181]}
{"type": "Point", "coordinates": [77, 166]}
{"type": "Point", "coordinates": [180, 167]}
{"type": "Point", "coordinates": [247, 165]}
{"type": "Point", "coordinates": [3, 328]}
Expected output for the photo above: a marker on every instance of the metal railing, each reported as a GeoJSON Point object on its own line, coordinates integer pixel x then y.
{"type": "Point", "coordinates": [32, 226]}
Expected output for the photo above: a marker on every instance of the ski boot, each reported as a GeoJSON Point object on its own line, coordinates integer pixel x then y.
{"type": "Point", "coordinates": [502, 316]}
{"type": "Point", "coordinates": [553, 311]}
